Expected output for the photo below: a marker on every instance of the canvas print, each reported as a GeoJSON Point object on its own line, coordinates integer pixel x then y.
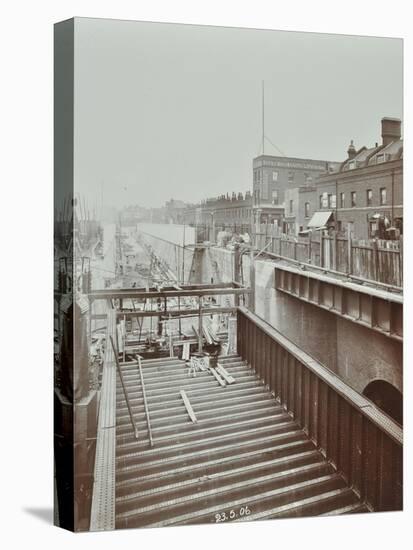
{"type": "Point", "coordinates": [228, 267]}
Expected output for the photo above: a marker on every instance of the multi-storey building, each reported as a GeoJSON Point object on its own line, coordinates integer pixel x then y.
{"type": "Point", "coordinates": [274, 176]}
{"type": "Point", "coordinates": [365, 195]}
{"type": "Point", "coordinates": [226, 212]}
{"type": "Point", "coordinates": [300, 205]}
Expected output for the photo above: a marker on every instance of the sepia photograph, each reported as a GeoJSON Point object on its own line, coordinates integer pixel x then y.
{"type": "Point", "coordinates": [228, 274]}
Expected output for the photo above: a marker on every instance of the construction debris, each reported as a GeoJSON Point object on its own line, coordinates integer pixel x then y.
{"type": "Point", "coordinates": [188, 406]}
{"type": "Point", "coordinates": [225, 375]}
{"type": "Point", "coordinates": [185, 351]}
{"type": "Point", "coordinates": [218, 377]}
{"type": "Point", "coordinates": [198, 364]}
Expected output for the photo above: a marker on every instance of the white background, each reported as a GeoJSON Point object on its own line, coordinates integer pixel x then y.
{"type": "Point", "coordinates": [26, 209]}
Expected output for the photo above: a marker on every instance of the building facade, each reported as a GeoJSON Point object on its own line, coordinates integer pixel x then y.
{"type": "Point", "coordinates": [300, 206]}
{"type": "Point", "coordinates": [231, 213]}
{"type": "Point", "coordinates": [365, 196]}
{"type": "Point", "coordinates": [273, 176]}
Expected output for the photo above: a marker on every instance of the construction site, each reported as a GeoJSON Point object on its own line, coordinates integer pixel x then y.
{"type": "Point", "coordinates": [207, 384]}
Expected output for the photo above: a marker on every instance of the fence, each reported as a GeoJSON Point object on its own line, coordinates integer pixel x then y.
{"type": "Point", "coordinates": [376, 260]}
{"type": "Point", "coordinates": [207, 232]}
{"type": "Point", "coordinates": [362, 443]}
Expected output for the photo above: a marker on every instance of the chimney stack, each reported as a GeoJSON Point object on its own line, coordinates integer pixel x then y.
{"type": "Point", "coordinates": [390, 129]}
{"type": "Point", "coordinates": [351, 151]}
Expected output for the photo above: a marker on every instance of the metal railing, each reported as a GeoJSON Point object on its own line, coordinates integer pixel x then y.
{"type": "Point", "coordinates": [145, 402]}
{"type": "Point", "coordinates": [360, 441]}
{"type": "Point", "coordinates": [125, 391]}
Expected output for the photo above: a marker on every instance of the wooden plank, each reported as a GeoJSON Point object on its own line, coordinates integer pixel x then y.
{"type": "Point", "coordinates": [207, 335]}
{"type": "Point", "coordinates": [224, 349]}
{"type": "Point", "coordinates": [211, 331]}
{"type": "Point", "coordinates": [225, 375]}
{"type": "Point", "coordinates": [218, 377]}
{"type": "Point", "coordinates": [188, 406]}
{"type": "Point", "coordinates": [185, 351]}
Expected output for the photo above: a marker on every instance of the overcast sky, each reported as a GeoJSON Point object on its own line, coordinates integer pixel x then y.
{"type": "Point", "coordinates": [165, 110]}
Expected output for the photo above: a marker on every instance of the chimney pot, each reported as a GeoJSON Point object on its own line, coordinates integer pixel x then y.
{"type": "Point", "coordinates": [351, 151]}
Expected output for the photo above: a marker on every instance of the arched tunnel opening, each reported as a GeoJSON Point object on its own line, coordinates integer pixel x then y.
{"type": "Point", "coordinates": [387, 397]}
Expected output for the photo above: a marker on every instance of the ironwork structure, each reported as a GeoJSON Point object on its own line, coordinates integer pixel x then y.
{"type": "Point", "coordinates": [362, 443]}
{"type": "Point", "coordinates": [375, 308]}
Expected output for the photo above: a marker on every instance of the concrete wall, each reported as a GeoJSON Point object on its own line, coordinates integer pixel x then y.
{"type": "Point", "coordinates": [174, 233]}
{"type": "Point", "coordinates": [217, 265]}
{"type": "Point", "coordinates": [181, 261]}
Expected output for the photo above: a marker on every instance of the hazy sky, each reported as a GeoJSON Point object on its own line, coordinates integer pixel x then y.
{"type": "Point", "coordinates": [166, 110]}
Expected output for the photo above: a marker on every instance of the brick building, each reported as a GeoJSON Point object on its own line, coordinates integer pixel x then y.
{"type": "Point", "coordinates": [300, 205]}
{"type": "Point", "coordinates": [226, 212]}
{"type": "Point", "coordinates": [273, 176]}
{"type": "Point", "coordinates": [365, 195]}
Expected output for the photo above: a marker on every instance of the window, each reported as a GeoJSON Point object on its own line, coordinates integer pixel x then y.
{"type": "Point", "coordinates": [369, 197]}
{"type": "Point", "coordinates": [353, 198]}
{"type": "Point", "coordinates": [307, 209]}
{"type": "Point", "coordinates": [275, 176]}
{"type": "Point", "coordinates": [342, 200]}
{"type": "Point", "coordinates": [331, 201]}
{"type": "Point", "coordinates": [380, 158]}
{"type": "Point", "coordinates": [291, 206]}
{"type": "Point", "coordinates": [290, 177]}
{"type": "Point", "coordinates": [320, 204]}
{"type": "Point", "coordinates": [324, 200]}
{"type": "Point", "coordinates": [275, 196]}
{"type": "Point", "coordinates": [308, 178]}
{"type": "Point", "coordinates": [351, 164]}
{"type": "Point", "coordinates": [383, 196]}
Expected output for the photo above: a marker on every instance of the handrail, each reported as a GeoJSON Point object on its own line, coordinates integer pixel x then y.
{"type": "Point", "coordinates": [125, 392]}
{"type": "Point", "coordinates": [145, 403]}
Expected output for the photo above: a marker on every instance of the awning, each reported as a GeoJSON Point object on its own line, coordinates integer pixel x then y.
{"type": "Point", "coordinates": [320, 219]}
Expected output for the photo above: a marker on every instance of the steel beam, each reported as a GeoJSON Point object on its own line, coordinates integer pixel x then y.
{"type": "Point", "coordinates": [175, 312]}
{"type": "Point", "coordinates": [183, 291]}
{"type": "Point", "coordinates": [376, 309]}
